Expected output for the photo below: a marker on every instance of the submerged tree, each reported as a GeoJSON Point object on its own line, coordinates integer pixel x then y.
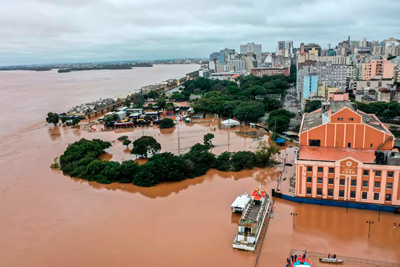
{"type": "Point", "coordinates": [145, 145]}
{"type": "Point", "coordinates": [52, 118]}
{"type": "Point", "coordinates": [265, 153]}
{"type": "Point", "coordinates": [207, 140]}
{"type": "Point", "coordinates": [167, 123]}
{"type": "Point", "coordinates": [126, 143]}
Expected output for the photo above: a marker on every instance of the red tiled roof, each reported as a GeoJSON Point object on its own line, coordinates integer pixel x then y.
{"type": "Point", "coordinates": [334, 154]}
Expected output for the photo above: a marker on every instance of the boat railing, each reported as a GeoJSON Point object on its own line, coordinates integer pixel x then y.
{"type": "Point", "coordinates": [348, 259]}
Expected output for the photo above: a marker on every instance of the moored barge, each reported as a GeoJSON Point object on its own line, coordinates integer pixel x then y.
{"type": "Point", "coordinates": [252, 220]}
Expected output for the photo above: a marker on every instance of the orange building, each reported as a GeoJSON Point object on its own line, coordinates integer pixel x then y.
{"type": "Point", "coordinates": [347, 155]}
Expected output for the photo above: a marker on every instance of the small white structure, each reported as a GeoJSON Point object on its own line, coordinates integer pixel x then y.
{"type": "Point", "coordinates": [122, 109]}
{"type": "Point", "coordinates": [229, 123]}
{"type": "Point", "coordinates": [121, 114]}
{"type": "Point", "coordinates": [240, 203]}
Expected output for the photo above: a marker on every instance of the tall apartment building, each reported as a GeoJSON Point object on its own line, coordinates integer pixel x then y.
{"type": "Point", "coordinates": [346, 155]}
{"type": "Point", "coordinates": [336, 60]}
{"type": "Point", "coordinates": [332, 75]}
{"type": "Point", "coordinates": [378, 69]}
{"type": "Point", "coordinates": [269, 71]}
{"type": "Point", "coordinates": [239, 64]}
{"type": "Point", "coordinates": [251, 48]}
{"type": "Point", "coordinates": [393, 51]}
{"type": "Point", "coordinates": [310, 86]}
{"type": "Point", "coordinates": [222, 56]}
{"type": "Point", "coordinates": [378, 49]}
{"type": "Point", "coordinates": [284, 48]}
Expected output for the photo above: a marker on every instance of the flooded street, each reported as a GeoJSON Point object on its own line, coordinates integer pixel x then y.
{"type": "Point", "coordinates": [48, 219]}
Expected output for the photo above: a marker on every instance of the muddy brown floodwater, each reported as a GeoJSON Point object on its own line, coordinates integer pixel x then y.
{"type": "Point", "coordinates": [48, 219]}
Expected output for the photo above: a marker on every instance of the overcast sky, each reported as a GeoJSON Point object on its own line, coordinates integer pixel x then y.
{"type": "Point", "coordinates": [51, 31]}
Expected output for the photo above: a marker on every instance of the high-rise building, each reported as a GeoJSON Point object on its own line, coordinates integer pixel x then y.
{"type": "Point", "coordinates": [251, 48]}
{"type": "Point", "coordinates": [332, 74]}
{"type": "Point", "coordinates": [364, 43]}
{"type": "Point", "coordinates": [378, 69]}
{"type": "Point", "coordinates": [284, 48]}
{"type": "Point", "coordinates": [222, 56]}
{"type": "Point", "coordinates": [310, 86]}
{"type": "Point", "coordinates": [239, 64]}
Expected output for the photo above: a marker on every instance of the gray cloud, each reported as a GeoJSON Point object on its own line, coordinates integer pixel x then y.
{"type": "Point", "coordinates": [46, 31]}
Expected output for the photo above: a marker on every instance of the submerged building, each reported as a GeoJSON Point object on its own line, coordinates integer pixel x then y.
{"type": "Point", "coordinates": [346, 155]}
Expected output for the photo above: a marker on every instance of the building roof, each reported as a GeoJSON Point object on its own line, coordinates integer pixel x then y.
{"type": "Point", "coordinates": [312, 120]}
{"type": "Point", "coordinates": [317, 118]}
{"type": "Point", "coordinates": [334, 154]}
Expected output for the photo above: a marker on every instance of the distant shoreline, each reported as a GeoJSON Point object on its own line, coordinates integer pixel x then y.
{"type": "Point", "coordinates": [125, 66]}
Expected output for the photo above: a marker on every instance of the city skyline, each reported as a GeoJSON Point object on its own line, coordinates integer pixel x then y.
{"type": "Point", "coordinates": [76, 31]}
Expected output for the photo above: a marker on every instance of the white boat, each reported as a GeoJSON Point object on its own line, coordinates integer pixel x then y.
{"type": "Point", "coordinates": [331, 260]}
{"type": "Point", "coordinates": [252, 221]}
{"type": "Point", "coordinates": [240, 203]}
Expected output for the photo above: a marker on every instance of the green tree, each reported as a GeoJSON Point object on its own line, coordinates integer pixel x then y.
{"type": "Point", "coordinates": [110, 118]}
{"type": "Point", "coordinates": [243, 160]}
{"type": "Point", "coordinates": [122, 138]}
{"type": "Point", "coordinates": [168, 167]}
{"type": "Point", "coordinates": [229, 106]}
{"type": "Point", "coordinates": [52, 118]}
{"type": "Point", "coordinates": [207, 140]}
{"type": "Point", "coordinates": [224, 161]}
{"type": "Point", "coordinates": [258, 90]}
{"type": "Point", "coordinates": [126, 143]}
{"type": "Point", "coordinates": [198, 160]}
{"type": "Point", "coordinates": [80, 154]}
{"type": "Point", "coordinates": [271, 104]}
{"type": "Point", "coordinates": [178, 96]}
{"type": "Point", "coordinates": [128, 170]}
{"type": "Point", "coordinates": [145, 145]}
{"type": "Point", "coordinates": [75, 121]}
{"type": "Point", "coordinates": [250, 111]}
{"type": "Point", "coordinates": [166, 123]}
{"type": "Point", "coordinates": [94, 171]}
{"type": "Point", "coordinates": [278, 123]}
{"type": "Point", "coordinates": [161, 102]}
{"type": "Point", "coordinates": [279, 119]}
{"type": "Point", "coordinates": [152, 95]}
{"type": "Point", "coordinates": [146, 175]}
{"type": "Point", "coordinates": [265, 153]}
{"type": "Point", "coordinates": [312, 105]}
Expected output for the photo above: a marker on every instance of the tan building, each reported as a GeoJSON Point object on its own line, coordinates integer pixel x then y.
{"type": "Point", "coordinates": [347, 155]}
{"type": "Point", "coordinates": [324, 90]}
{"type": "Point", "coordinates": [270, 71]}
{"type": "Point", "coordinates": [377, 68]}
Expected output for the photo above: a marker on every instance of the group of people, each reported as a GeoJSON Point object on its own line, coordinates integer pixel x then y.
{"type": "Point", "coordinates": [331, 256]}
{"type": "Point", "coordinates": [295, 258]}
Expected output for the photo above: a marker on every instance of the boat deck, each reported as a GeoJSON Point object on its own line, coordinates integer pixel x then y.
{"type": "Point", "coordinates": [253, 212]}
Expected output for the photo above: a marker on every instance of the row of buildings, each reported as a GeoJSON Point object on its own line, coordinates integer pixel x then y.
{"type": "Point", "coordinates": [369, 70]}
{"type": "Point", "coordinates": [228, 63]}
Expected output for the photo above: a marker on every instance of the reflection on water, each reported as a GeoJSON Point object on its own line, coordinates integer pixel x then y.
{"type": "Point", "coordinates": [168, 188]}
{"type": "Point", "coordinates": [54, 132]}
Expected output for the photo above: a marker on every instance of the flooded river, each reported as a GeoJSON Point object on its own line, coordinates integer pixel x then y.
{"type": "Point", "coordinates": [47, 219]}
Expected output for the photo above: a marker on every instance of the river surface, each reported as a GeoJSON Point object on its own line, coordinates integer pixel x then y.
{"type": "Point", "coordinates": [48, 219]}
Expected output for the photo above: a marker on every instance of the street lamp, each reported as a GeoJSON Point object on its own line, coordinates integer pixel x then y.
{"type": "Point", "coordinates": [293, 214]}
{"type": "Point", "coordinates": [369, 227]}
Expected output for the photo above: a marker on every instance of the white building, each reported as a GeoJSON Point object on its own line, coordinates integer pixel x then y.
{"type": "Point", "coordinates": [251, 48]}
{"type": "Point", "coordinates": [239, 64]}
